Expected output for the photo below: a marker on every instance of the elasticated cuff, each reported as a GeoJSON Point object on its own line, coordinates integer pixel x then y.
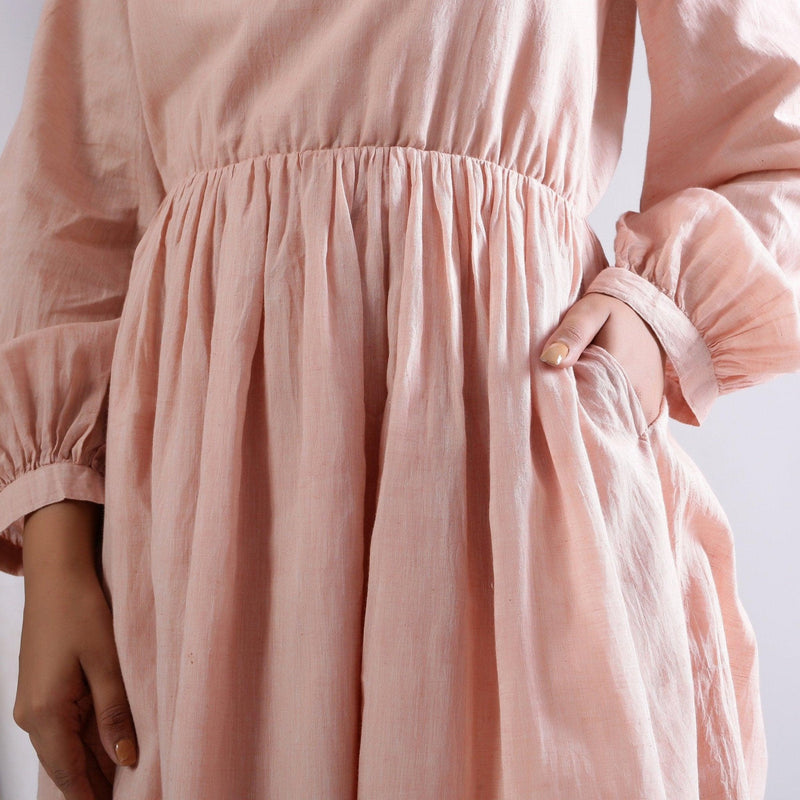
{"type": "Point", "coordinates": [39, 487]}
{"type": "Point", "coordinates": [690, 382]}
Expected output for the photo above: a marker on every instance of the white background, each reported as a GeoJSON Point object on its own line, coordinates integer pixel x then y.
{"type": "Point", "coordinates": [748, 448]}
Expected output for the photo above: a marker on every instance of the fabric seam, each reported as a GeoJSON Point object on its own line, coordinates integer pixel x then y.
{"type": "Point", "coordinates": [31, 467]}
{"type": "Point", "coordinates": [570, 204]}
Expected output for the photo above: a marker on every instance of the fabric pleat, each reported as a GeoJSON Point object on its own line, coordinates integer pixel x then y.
{"type": "Point", "coordinates": [365, 486]}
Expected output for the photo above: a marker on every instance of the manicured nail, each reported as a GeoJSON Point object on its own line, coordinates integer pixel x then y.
{"type": "Point", "coordinates": [555, 353]}
{"type": "Point", "coordinates": [126, 752]}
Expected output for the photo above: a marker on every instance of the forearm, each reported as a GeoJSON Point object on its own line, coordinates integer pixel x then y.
{"type": "Point", "coordinates": [60, 538]}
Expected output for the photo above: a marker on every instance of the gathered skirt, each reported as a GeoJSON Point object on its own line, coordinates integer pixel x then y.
{"type": "Point", "coordinates": [360, 542]}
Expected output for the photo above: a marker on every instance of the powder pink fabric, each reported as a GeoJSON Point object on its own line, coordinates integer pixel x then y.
{"type": "Point", "coordinates": [275, 280]}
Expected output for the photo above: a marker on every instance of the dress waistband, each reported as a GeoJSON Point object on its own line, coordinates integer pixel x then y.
{"type": "Point", "coordinates": [568, 203]}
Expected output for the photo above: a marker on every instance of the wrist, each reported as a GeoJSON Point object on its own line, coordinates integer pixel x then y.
{"type": "Point", "coordinates": [61, 538]}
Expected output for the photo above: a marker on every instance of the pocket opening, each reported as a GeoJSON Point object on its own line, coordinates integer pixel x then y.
{"type": "Point", "coordinates": [643, 427]}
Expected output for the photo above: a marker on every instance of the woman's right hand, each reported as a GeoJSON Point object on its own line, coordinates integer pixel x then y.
{"type": "Point", "coordinates": [70, 699]}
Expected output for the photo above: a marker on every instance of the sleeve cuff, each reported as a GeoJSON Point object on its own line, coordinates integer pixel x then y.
{"type": "Point", "coordinates": [39, 487]}
{"type": "Point", "coordinates": [691, 385]}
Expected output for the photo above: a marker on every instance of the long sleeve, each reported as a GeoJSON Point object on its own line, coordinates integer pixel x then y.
{"type": "Point", "coordinates": [712, 258]}
{"type": "Point", "coordinates": [78, 184]}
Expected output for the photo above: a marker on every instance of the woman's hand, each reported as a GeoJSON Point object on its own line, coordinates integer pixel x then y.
{"type": "Point", "coordinates": [613, 325]}
{"type": "Point", "coordinates": [70, 696]}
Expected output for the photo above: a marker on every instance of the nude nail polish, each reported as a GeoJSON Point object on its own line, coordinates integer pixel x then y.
{"type": "Point", "coordinates": [555, 353]}
{"type": "Point", "coordinates": [126, 752]}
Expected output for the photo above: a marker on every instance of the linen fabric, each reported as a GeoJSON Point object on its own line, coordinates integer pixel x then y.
{"type": "Point", "coordinates": [275, 280]}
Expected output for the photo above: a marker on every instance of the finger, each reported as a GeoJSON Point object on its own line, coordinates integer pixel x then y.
{"type": "Point", "coordinates": [112, 712]}
{"type": "Point", "coordinates": [63, 757]}
{"type": "Point", "coordinates": [577, 328]}
{"type": "Point", "coordinates": [101, 784]}
{"type": "Point", "coordinates": [91, 739]}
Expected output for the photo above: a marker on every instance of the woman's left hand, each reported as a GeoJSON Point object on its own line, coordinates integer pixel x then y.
{"type": "Point", "coordinates": [613, 325]}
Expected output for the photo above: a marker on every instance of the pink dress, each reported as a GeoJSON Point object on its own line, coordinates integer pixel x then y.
{"type": "Point", "coordinates": [275, 280]}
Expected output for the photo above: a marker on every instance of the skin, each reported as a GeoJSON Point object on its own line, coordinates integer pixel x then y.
{"type": "Point", "coordinates": [614, 325]}
{"type": "Point", "coordinates": [70, 698]}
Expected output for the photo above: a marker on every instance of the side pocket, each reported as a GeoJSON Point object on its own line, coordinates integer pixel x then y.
{"type": "Point", "coordinates": [610, 392]}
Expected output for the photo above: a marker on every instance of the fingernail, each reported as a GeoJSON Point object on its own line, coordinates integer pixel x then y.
{"type": "Point", "coordinates": [555, 353]}
{"type": "Point", "coordinates": [126, 752]}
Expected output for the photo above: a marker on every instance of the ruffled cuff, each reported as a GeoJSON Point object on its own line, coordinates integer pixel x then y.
{"type": "Point", "coordinates": [36, 487]}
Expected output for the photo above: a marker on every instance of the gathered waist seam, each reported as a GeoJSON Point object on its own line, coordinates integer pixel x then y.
{"type": "Point", "coordinates": [274, 153]}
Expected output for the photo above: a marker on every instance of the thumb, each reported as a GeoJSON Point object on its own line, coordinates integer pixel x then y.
{"type": "Point", "coordinates": [577, 329]}
{"type": "Point", "coordinates": [112, 711]}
